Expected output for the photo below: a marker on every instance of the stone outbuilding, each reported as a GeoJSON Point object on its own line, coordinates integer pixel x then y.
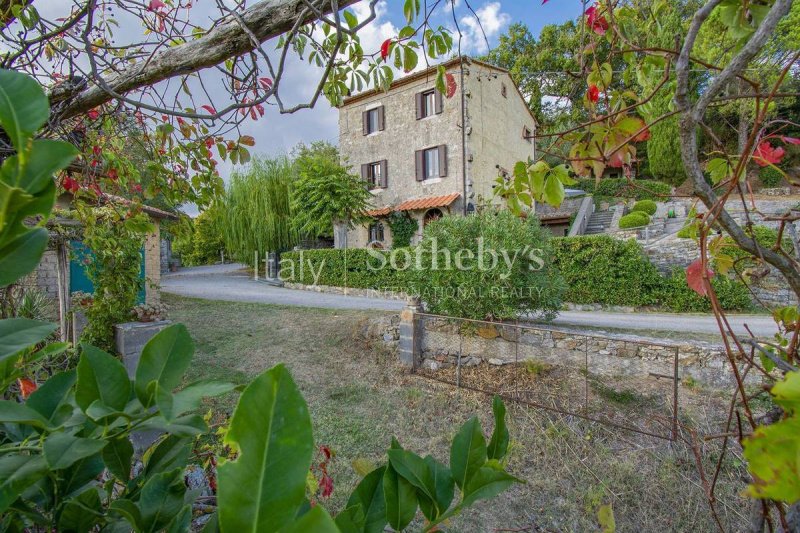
{"type": "Point", "coordinates": [426, 155]}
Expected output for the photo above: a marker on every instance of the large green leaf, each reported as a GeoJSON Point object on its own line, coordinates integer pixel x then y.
{"type": "Point", "coordinates": [162, 498]}
{"type": "Point", "coordinates": [317, 520]}
{"type": "Point", "coordinates": [46, 158]}
{"type": "Point", "coordinates": [17, 413]}
{"type": "Point", "coordinates": [368, 494]}
{"type": "Point", "coordinates": [19, 257]}
{"type": "Point", "coordinates": [81, 512]}
{"type": "Point", "coordinates": [168, 454]}
{"type": "Point", "coordinates": [53, 393]}
{"type": "Point", "coordinates": [188, 398]}
{"type": "Point", "coordinates": [488, 482]}
{"type": "Point", "coordinates": [468, 452]}
{"type": "Point", "coordinates": [101, 377]}
{"type": "Point", "coordinates": [271, 429]}
{"type": "Point", "coordinates": [445, 487]}
{"type": "Point", "coordinates": [17, 473]}
{"type": "Point", "coordinates": [23, 106]}
{"type": "Point", "coordinates": [16, 334]}
{"type": "Point", "coordinates": [772, 454]}
{"type": "Point", "coordinates": [164, 361]}
{"type": "Point", "coordinates": [401, 499]}
{"type": "Point", "coordinates": [74, 479]}
{"type": "Point", "coordinates": [62, 450]}
{"type": "Point", "coordinates": [117, 456]}
{"type": "Point", "coordinates": [498, 444]}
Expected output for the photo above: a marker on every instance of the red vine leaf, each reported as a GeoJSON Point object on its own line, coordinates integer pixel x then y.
{"type": "Point", "coordinates": [385, 48]}
{"type": "Point", "coordinates": [766, 154]}
{"type": "Point", "coordinates": [593, 94]}
{"type": "Point", "coordinates": [210, 109]}
{"type": "Point", "coordinates": [694, 277]}
{"type": "Point", "coordinates": [26, 387]}
{"type": "Point", "coordinates": [450, 82]}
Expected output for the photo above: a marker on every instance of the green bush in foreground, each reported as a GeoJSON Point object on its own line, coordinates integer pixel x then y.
{"type": "Point", "coordinates": [645, 206]}
{"type": "Point", "coordinates": [637, 219]}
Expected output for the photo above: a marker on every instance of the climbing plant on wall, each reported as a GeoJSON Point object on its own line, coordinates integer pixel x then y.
{"type": "Point", "coordinates": [403, 229]}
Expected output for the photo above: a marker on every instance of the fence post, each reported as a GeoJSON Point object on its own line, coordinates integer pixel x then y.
{"type": "Point", "coordinates": [408, 349]}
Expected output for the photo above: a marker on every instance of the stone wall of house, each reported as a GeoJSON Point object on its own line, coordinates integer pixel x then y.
{"type": "Point", "coordinates": [440, 344]}
{"type": "Point", "coordinates": [166, 254]}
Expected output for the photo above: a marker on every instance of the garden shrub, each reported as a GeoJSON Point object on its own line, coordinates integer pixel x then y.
{"type": "Point", "coordinates": [523, 279]}
{"type": "Point", "coordinates": [770, 177]}
{"type": "Point", "coordinates": [604, 270]}
{"type": "Point", "coordinates": [637, 219]}
{"type": "Point", "coordinates": [622, 188]}
{"type": "Point", "coordinates": [645, 206]}
{"type": "Point", "coordinates": [676, 295]}
{"type": "Point", "coordinates": [349, 267]}
{"type": "Point", "coordinates": [202, 242]}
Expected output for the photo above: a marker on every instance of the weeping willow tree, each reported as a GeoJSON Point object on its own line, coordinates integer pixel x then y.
{"type": "Point", "coordinates": [257, 209]}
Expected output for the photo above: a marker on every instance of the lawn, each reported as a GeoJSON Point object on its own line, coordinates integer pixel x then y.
{"type": "Point", "coordinates": [359, 399]}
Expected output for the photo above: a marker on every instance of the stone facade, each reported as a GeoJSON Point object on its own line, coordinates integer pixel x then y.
{"type": "Point", "coordinates": [152, 265]}
{"type": "Point", "coordinates": [481, 137]}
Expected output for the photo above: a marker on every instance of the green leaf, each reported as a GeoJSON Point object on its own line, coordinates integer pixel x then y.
{"type": "Point", "coordinates": [553, 191]}
{"type": "Point", "coordinates": [444, 488]}
{"type": "Point", "coordinates": [117, 456]}
{"type": "Point", "coordinates": [162, 498]}
{"type": "Point", "coordinates": [127, 510]}
{"type": "Point", "coordinates": [164, 360]}
{"type": "Point", "coordinates": [368, 495]}
{"type": "Point", "coordinates": [605, 517]}
{"type": "Point", "coordinates": [787, 392]}
{"type": "Point", "coordinates": [82, 512]}
{"type": "Point", "coordinates": [62, 450]}
{"type": "Point", "coordinates": [183, 426]}
{"type": "Point", "coordinates": [46, 158]}
{"type": "Point", "coordinates": [17, 413]}
{"type": "Point", "coordinates": [73, 479]}
{"type": "Point", "coordinates": [317, 520]}
{"type": "Point", "coordinates": [168, 454]}
{"type": "Point", "coordinates": [189, 398]}
{"type": "Point", "coordinates": [468, 452]}
{"type": "Point", "coordinates": [101, 377]}
{"type": "Point", "coordinates": [23, 106]}
{"type": "Point", "coordinates": [718, 170]}
{"type": "Point", "coordinates": [19, 257]}
{"type": "Point", "coordinates": [17, 473]}
{"type": "Point", "coordinates": [271, 430]}
{"type": "Point", "coordinates": [498, 444]}
{"type": "Point", "coordinates": [52, 394]}
{"type": "Point", "coordinates": [772, 455]}
{"type": "Point", "coordinates": [488, 482]}
{"type": "Point", "coordinates": [16, 334]}
{"type": "Point", "coordinates": [401, 499]}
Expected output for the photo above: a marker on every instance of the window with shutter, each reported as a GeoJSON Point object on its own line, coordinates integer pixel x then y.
{"type": "Point", "coordinates": [374, 174]}
{"type": "Point", "coordinates": [428, 104]}
{"type": "Point", "coordinates": [372, 120]}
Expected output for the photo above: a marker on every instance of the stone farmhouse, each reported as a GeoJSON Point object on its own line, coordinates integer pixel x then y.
{"type": "Point", "coordinates": [426, 155]}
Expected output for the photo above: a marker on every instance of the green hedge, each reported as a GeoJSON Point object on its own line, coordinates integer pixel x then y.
{"type": "Point", "coordinates": [637, 219]}
{"type": "Point", "coordinates": [622, 188]}
{"type": "Point", "coordinates": [675, 294]}
{"type": "Point", "coordinates": [604, 270]}
{"type": "Point", "coordinates": [645, 206]}
{"type": "Point", "coordinates": [339, 268]}
{"type": "Point", "coordinates": [770, 177]}
{"type": "Point", "coordinates": [596, 269]}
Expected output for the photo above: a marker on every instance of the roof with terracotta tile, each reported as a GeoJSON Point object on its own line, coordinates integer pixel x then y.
{"type": "Point", "coordinates": [428, 202]}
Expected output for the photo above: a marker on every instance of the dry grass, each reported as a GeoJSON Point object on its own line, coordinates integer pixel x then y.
{"type": "Point", "coordinates": [359, 398]}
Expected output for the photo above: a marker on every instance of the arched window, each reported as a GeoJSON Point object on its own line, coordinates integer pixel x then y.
{"type": "Point", "coordinates": [431, 215]}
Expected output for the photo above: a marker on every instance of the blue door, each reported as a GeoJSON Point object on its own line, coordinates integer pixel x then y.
{"type": "Point", "coordinates": [79, 280]}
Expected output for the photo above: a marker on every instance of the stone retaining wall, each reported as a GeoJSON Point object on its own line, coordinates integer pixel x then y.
{"type": "Point", "coordinates": [365, 293]}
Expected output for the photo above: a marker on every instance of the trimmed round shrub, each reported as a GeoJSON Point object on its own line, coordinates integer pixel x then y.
{"type": "Point", "coordinates": [488, 266]}
{"type": "Point", "coordinates": [637, 219]}
{"type": "Point", "coordinates": [770, 177]}
{"type": "Point", "coordinates": [645, 206]}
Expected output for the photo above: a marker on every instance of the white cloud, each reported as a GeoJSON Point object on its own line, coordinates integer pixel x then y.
{"type": "Point", "coordinates": [489, 22]}
{"type": "Point", "coordinates": [377, 31]}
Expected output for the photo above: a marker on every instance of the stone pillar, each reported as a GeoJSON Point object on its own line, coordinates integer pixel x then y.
{"type": "Point", "coordinates": [410, 333]}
